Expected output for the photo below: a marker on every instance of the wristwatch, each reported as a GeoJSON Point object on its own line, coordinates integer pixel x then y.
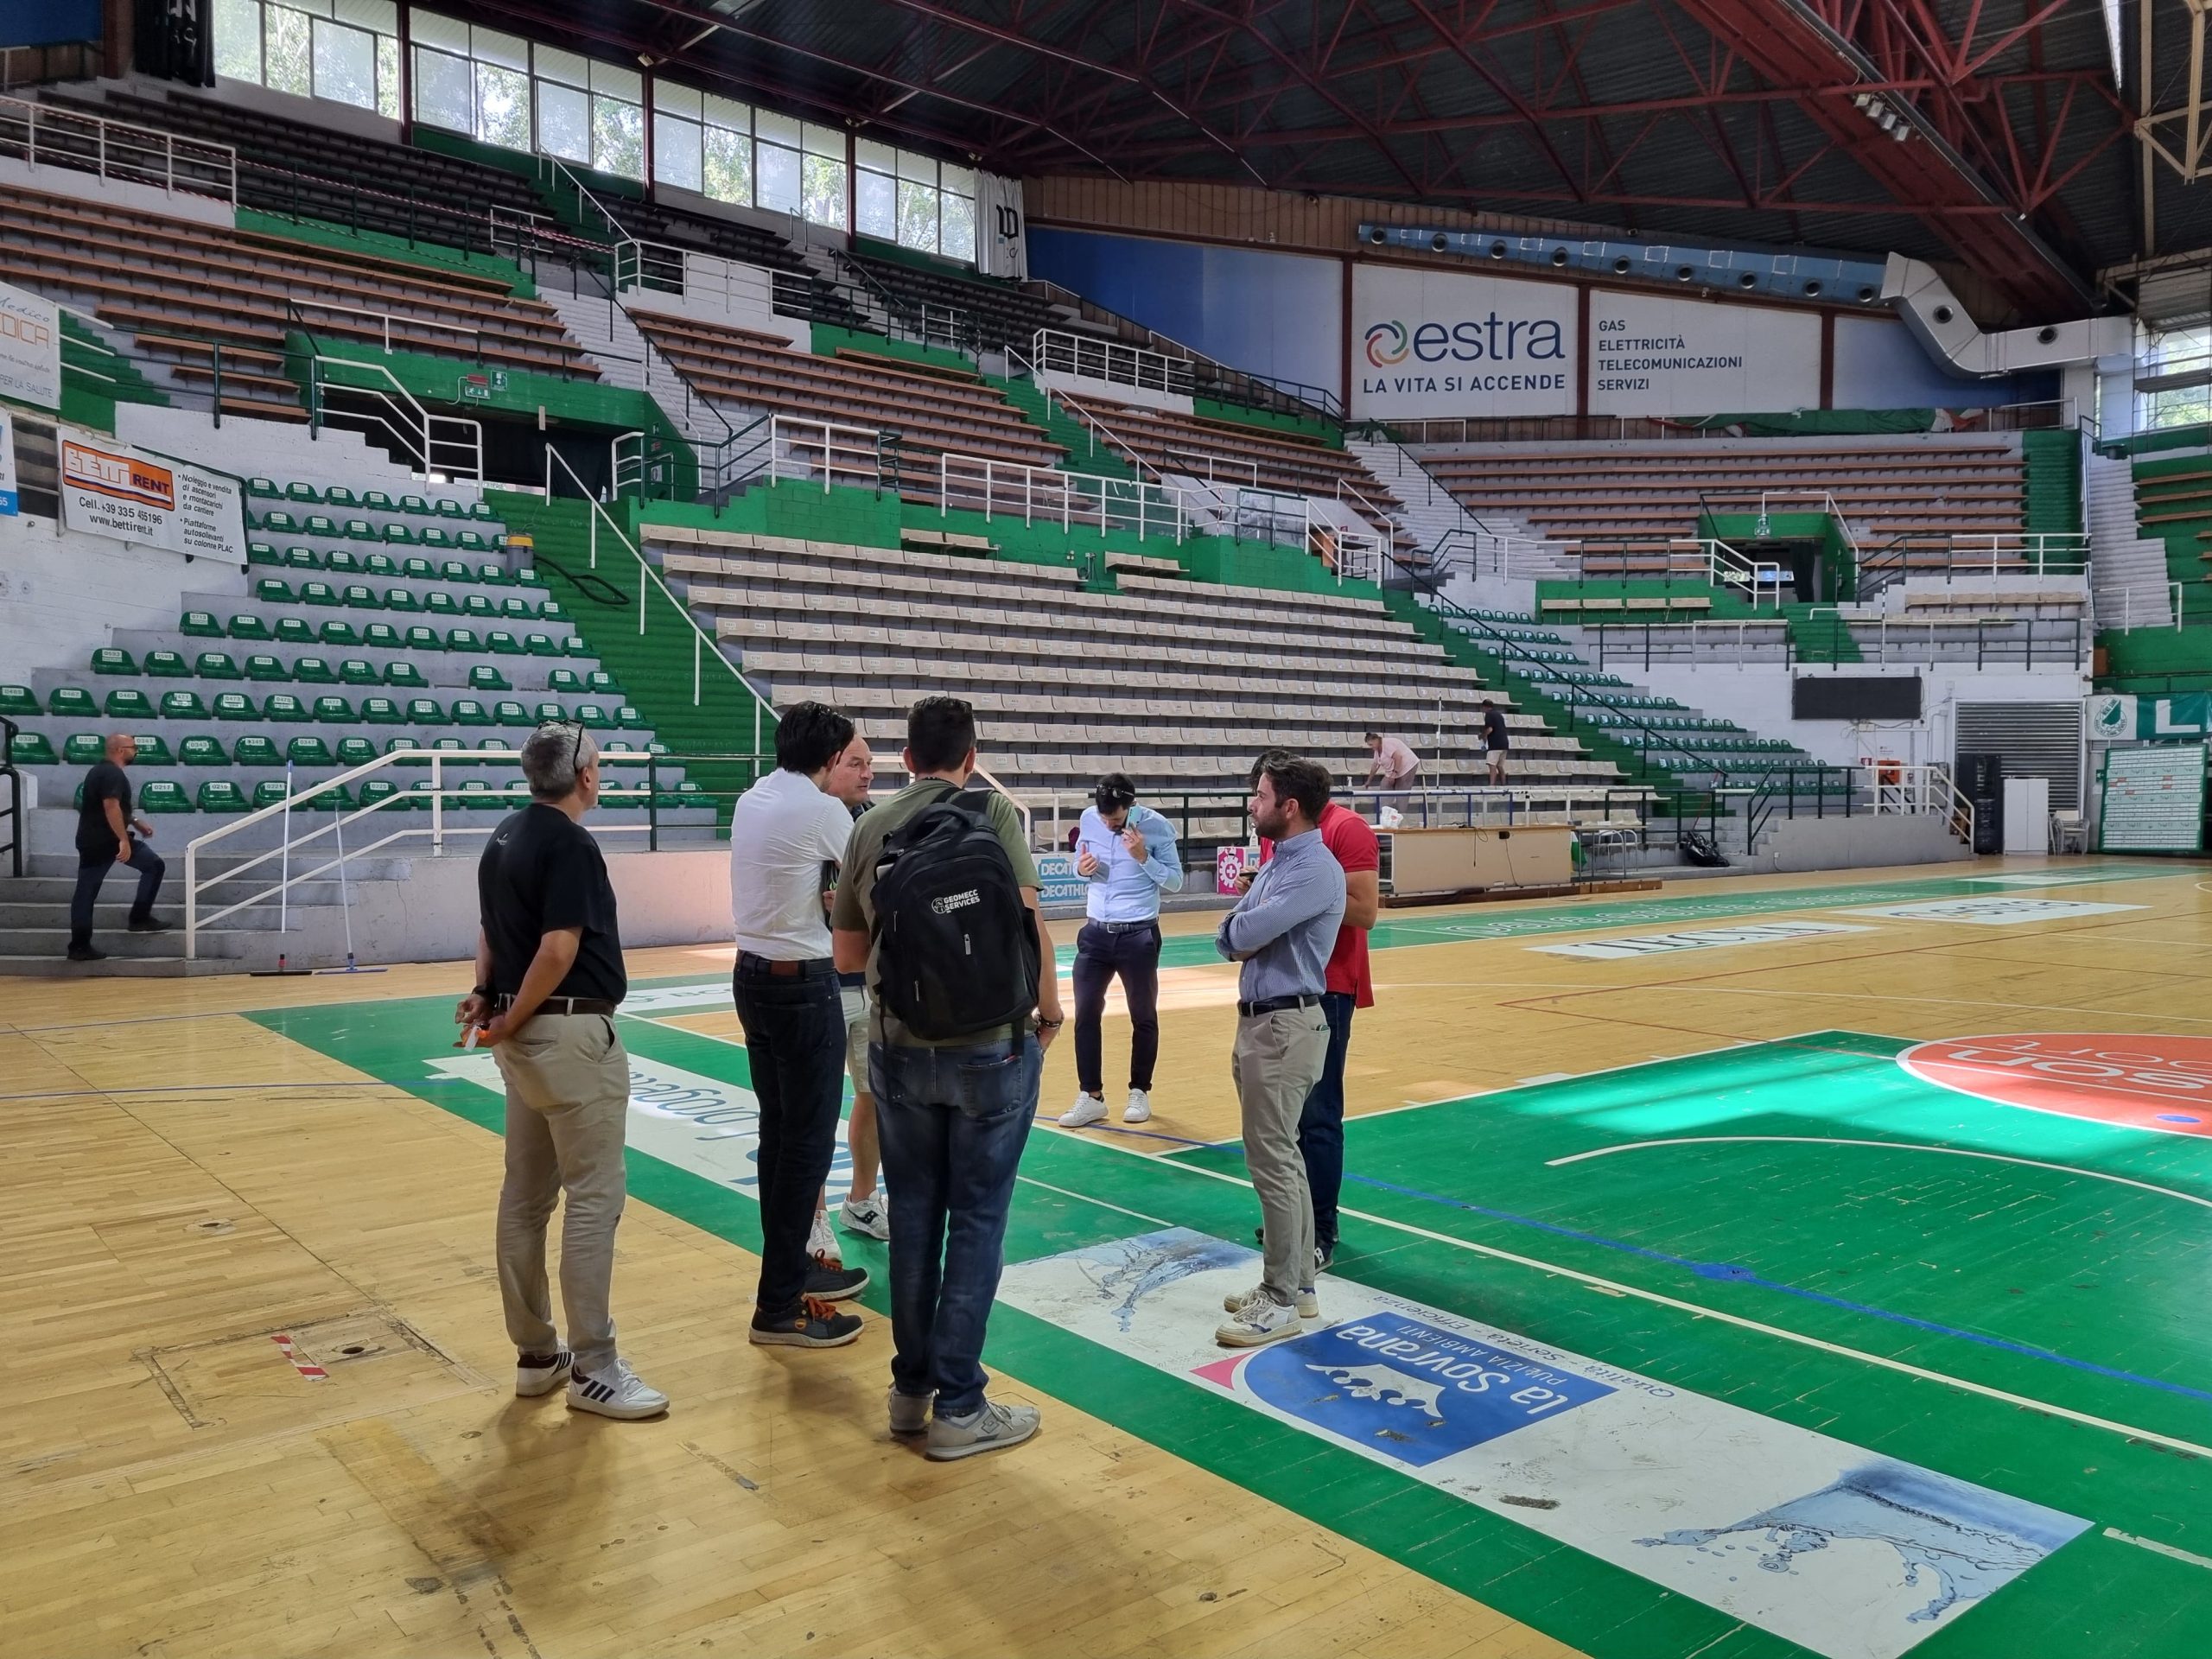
{"type": "Point", "coordinates": [483, 991]}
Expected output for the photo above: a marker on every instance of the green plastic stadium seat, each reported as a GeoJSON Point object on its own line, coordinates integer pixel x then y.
{"type": "Point", "coordinates": [221, 795]}
{"type": "Point", "coordinates": [262, 553]}
{"type": "Point", "coordinates": [483, 510]}
{"type": "Point", "coordinates": [248, 627]}
{"type": "Point", "coordinates": [167, 665]}
{"type": "Point", "coordinates": [285, 709]}
{"type": "Point", "coordinates": [297, 491]}
{"type": "Point", "coordinates": [341, 634]}
{"type": "Point", "coordinates": [593, 715]}
{"type": "Point", "coordinates": [508, 712]}
{"type": "Point", "coordinates": [452, 745]}
{"type": "Point", "coordinates": [160, 795]}
{"type": "Point", "coordinates": [540, 644]}
{"type": "Point", "coordinates": [360, 596]}
{"type": "Point", "coordinates": [202, 751]}
{"type": "Point", "coordinates": [319, 593]}
{"type": "Point", "coordinates": [113, 659]}
{"type": "Point", "coordinates": [405, 746]}
{"type": "Point", "coordinates": [200, 625]}
{"type": "Point", "coordinates": [130, 703]}
{"type": "Point", "coordinates": [397, 534]}
{"type": "Point", "coordinates": [380, 565]}
{"type": "Point", "coordinates": [485, 677]}
{"type": "Point", "coordinates": [493, 576]}
{"type": "Point", "coordinates": [376, 501]}
{"type": "Point", "coordinates": [356, 671]}
{"type": "Point", "coordinates": [376, 790]}
{"type": "Point", "coordinates": [528, 576]}
{"type": "Point", "coordinates": [464, 640]}
{"type": "Point", "coordinates": [260, 666]}
{"type": "Point", "coordinates": [269, 791]}
{"type": "Point", "coordinates": [419, 569]}
{"type": "Point", "coordinates": [405, 675]}
{"type": "Point", "coordinates": [342, 564]}
{"type": "Point", "coordinates": [425, 711]}
{"type": "Point", "coordinates": [566, 681]}
{"type": "Point", "coordinates": [294, 631]}
{"type": "Point", "coordinates": [182, 705]}
{"type": "Point", "coordinates": [380, 711]}
{"type": "Point", "coordinates": [382, 636]}
{"type": "Point", "coordinates": [308, 752]}
{"type": "Point", "coordinates": [339, 496]}
{"type": "Point", "coordinates": [466, 711]}
{"type": "Point", "coordinates": [257, 749]}
{"type": "Point", "coordinates": [433, 536]}
{"type": "Point", "coordinates": [573, 645]}
{"type": "Point", "coordinates": [321, 524]}
{"type": "Point", "coordinates": [331, 798]}
{"type": "Point", "coordinates": [469, 540]}
{"type": "Point", "coordinates": [479, 605]}
{"type": "Point", "coordinates": [32, 749]}
{"type": "Point", "coordinates": [455, 571]}
{"type": "Point", "coordinates": [401, 599]}
{"type": "Point", "coordinates": [441, 603]}
{"type": "Point", "coordinates": [619, 746]}
{"type": "Point", "coordinates": [423, 638]}
{"type": "Point", "coordinates": [517, 610]}
{"type": "Point", "coordinates": [631, 718]}
{"type": "Point", "coordinates": [273, 590]}
{"type": "Point", "coordinates": [18, 700]}
{"type": "Point", "coordinates": [550, 714]}
{"type": "Point", "coordinates": [448, 508]}
{"type": "Point", "coordinates": [220, 665]}
{"type": "Point", "coordinates": [602, 683]}
{"type": "Point", "coordinates": [413, 504]}
{"type": "Point", "coordinates": [84, 748]}
{"type": "Point", "coordinates": [263, 489]}
{"type": "Point", "coordinates": [355, 751]}
{"type": "Point", "coordinates": [303, 558]}
{"type": "Point", "coordinates": [279, 522]}
{"type": "Point", "coordinates": [153, 752]}
{"type": "Point", "coordinates": [359, 529]}
{"type": "Point", "coordinates": [500, 643]}
{"type": "Point", "coordinates": [333, 711]}
{"type": "Point", "coordinates": [313, 671]}
{"type": "Point", "coordinates": [550, 610]}
{"type": "Point", "coordinates": [73, 702]}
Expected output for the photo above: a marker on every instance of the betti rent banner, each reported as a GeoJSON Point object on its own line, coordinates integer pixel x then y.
{"type": "Point", "coordinates": [30, 348]}
{"type": "Point", "coordinates": [109, 489]}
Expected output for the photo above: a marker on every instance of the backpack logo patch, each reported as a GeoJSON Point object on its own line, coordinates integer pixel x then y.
{"type": "Point", "coordinates": [945, 904]}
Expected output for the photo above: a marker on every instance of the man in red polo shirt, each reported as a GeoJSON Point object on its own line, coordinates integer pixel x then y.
{"type": "Point", "coordinates": [1321, 1125]}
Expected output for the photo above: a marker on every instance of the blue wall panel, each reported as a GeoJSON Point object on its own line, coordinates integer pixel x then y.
{"type": "Point", "coordinates": [48, 22]}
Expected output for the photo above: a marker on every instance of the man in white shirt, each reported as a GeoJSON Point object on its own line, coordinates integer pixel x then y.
{"type": "Point", "coordinates": [785, 837]}
{"type": "Point", "coordinates": [1127, 854]}
{"type": "Point", "coordinates": [1393, 764]}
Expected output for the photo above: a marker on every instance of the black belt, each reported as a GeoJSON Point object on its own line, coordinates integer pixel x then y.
{"type": "Point", "coordinates": [1127, 927]}
{"type": "Point", "coordinates": [853, 981]}
{"type": "Point", "coordinates": [559, 1005]}
{"type": "Point", "coordinates": [1277, 1004]}
{"type": "Point", "coordinates": [809, 968]}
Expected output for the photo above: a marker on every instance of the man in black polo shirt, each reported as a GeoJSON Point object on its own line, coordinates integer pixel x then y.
{"type": "Point", "coordinates": [549, 977]}
{"type": "Point", "coordinates": [104, 840]}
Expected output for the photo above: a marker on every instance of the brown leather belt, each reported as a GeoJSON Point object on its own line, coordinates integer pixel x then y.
{"type": "Point", "coordinates": [561, 1004]}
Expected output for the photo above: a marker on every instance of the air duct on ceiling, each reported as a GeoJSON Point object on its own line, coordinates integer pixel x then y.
{"type": "Point", "coordinates": [1941, 324]}
{"type": "Point", "coordinates": [1832, 278]}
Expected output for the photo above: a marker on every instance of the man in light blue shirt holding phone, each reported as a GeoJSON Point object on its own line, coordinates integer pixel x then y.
{"type": "Point", "coordinates": [1127, 854]}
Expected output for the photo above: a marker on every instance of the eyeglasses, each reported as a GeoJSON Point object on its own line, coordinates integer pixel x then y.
{"type": "Point", "coordinates": [576, 761]}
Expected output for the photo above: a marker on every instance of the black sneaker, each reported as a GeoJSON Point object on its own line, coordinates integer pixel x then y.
{"type": "Point", "coordinates": [1323, 1255]}
{"type": "Point", "coordinates": [816, 1325]}
{"type": "Point", "coordinates": [835, 1284]}
{"type": "Point", "coordinates": [85, 953]}
{"type": "Point", "coordinates": [149, 925]}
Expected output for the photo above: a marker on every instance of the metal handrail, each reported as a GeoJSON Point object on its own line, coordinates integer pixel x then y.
{"type": "Point", "coordinates": [436, 454]}
{"type": "Point", "coordinates": [1055, 351]}
{"type": "Point", "coordinates": [113, 142]}
{"type": "Point", "coordinates": [1039, 487]}
{"type": "Point", "coordinates": [13, 814]}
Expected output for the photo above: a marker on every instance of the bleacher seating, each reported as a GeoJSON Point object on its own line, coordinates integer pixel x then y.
{"type": "Point", "coordinates": [180, 285]}
{"type": "Point", "coordinates": [871, 629]}
{"type": "Point", "coordinates": [1229, 456]}
{"type": "Point", "coordinates": [997, 312]}
{"type": "Point", "coordinates": [935, 409]}
{"type": "Point", "coordinates": [1925, 490]}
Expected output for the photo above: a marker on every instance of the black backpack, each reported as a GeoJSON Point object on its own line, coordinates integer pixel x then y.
{"type": "Point", "coordinates": [955, 950]}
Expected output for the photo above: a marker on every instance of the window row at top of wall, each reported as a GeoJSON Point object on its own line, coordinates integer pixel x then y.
{"type": "Point", "coordinates": [503, 90]}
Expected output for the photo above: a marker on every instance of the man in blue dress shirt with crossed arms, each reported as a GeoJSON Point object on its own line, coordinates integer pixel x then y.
{"type": "Point", "coordinates": [1283, 931]}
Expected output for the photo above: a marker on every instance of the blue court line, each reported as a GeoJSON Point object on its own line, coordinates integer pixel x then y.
{"type": "Point", "coordinates": [1733, 1273]}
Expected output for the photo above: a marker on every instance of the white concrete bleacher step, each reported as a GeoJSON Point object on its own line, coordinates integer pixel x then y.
{"type": "Point", "coordinates": [2127, 571]}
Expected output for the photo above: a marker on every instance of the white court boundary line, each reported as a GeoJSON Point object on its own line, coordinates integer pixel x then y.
{"type": "Point", "coordinates": [2158, 1549]}
{"type": "Point", "coordinates": [1892, 1146]}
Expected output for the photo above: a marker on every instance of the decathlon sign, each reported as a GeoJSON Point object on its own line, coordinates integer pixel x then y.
{"type": "Point", "coordinates": [1436, 343]}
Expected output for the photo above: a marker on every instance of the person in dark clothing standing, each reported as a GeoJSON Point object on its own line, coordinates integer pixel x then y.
{"type": "Point", "coordinates": [104, 840]}
{"type": "Point", "coordinates": [1494, 741]}
{"type": "Point", "coordinates": [549, 979]}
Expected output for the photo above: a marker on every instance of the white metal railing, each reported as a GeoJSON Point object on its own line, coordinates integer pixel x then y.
{"type": "Point", "coordinates": [1056, 352]}
{"type": "Point", "coordinates": [1210, 468]}
{"type": "Point", "coordinates": [45, 136]}
{"type": "Point", "coordinates": [1912, 788]}
{"type": "Point", "coordinates": [1116, 445]}
{"type": "Point", "coordinates": [2126, 622]}
{"type": "Point", "coordinates": [382, 323]}
{"type": "Point", "coordinates": [730, 285]}
{"type": "Point", "coordinates": [1665, 640]}
{"type": "Point", "coordinates": [451, 446]}
{"type": "Point", "coordinates": [1726, 568]}
{"type": "Point", "coordinates": [836, 454]}
{"type": "Point", "coordinates": [1884, 638]}
{"type": "Point", "coordinates": [1045, 495]}
{"type": "Point", "coordinates": [2034, 553]}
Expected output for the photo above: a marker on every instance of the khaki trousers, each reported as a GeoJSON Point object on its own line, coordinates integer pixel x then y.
{"type": "Point", "coordinates": [1277, 1060]}
{"type": "Point", "coordinates": [568, 1103]}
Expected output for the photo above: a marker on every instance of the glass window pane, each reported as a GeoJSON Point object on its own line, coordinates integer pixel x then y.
{"type": "Point", "coordinates": [570, 70]}
{"type": "Point", "coordinates": [378, 17]}
{"type": "Point", "coordinates": [777, 129]}
{"type": "Point", "coordinates": [778, 183]}
{"type": "Point", "coordinates": [728, 167]}
{"type": "Point", "coordinates": [875, 158]}
{"type": "Point", "coordinates": [508, 51]}
{"type": "Point", "coordinates": [825, 141]}
{"type": "Point", "coordinates": [956, 216]}
{"type": "Point", "coordinates": [503, 106]}
{"type": "Point", "coordinates": [237, 39]}
{"type": "Point", "coordinates": [443, 94]}
{"type": "Point", "coordinates": [287, 52]}
{"type": "Point", "coordinates": [917, 217]}
{"type": "Point", "coordinates": [612, 81]}
{"type": "Point", "coordinates": [728, 112]}
{"type": "Point", "coordinates": [430, 29]}
{"type": "Point", "coordinates": [676, 99]}
{"type": "Point", "coordinates": [618, 137]}
{"type": "Point", "coordinates": [345, 65]}
{"type": "Point", "coordinates": [875, 206]}
{"type": "Point", "coordinates": [922, 170]}
{"type": "Point", "coordinates": [388, 77]}
{"type": "Point", "coordinates": [958, 180]}
{"type": "Point", "coordinates": [825, 192]}
{"type": "Point", "coordinates": [564, 122]}
{"type": "Point", "coordinates": [675, 151]}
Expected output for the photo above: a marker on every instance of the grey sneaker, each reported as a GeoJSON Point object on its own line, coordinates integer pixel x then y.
{"type": "Point", "coordinates": [987, 1430]}
{"type": "Point", "coordinates": [1260, 1320]}
{"type": "Point", "coordinates": [1309, 1304]}
{"type": "Point", "coordinates": [910, 1413]}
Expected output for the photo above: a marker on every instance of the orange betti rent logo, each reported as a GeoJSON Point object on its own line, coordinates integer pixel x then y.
{"type": "Point", "coordinates": [124, 477]}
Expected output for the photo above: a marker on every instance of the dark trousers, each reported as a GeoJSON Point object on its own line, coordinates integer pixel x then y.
{"type": "Point", "coordinates": [1321, 1125]}
{"type": "Point", "coordinates": [1100, 953]}
{"type": "Point", "coordinates": [92, 872]}
{"type": "Point", "coordinates": [795, 1046]}
{"type": "Point", "coordinates": [953, 1122]}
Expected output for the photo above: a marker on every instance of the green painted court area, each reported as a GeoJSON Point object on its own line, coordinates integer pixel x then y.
{"type": "Point", "coordinates": [1799, 1230]}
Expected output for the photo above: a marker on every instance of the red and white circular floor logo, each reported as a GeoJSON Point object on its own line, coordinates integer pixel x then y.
{"type": "Point", "coordinates": [2160, 1082]}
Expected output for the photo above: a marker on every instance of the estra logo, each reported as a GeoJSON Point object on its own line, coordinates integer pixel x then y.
{"type": "Point", "coordinates": [1385, 345]}
{"type": "Point", "coordinates": [1490, 338]}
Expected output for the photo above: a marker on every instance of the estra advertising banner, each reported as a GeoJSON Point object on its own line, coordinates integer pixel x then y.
{"type": "Point", "coordinates": [1655, 355]}
{"type": "Point", "coordinates": [109, 489]}
{"type": "Point", "coordinates": [1430, 344]}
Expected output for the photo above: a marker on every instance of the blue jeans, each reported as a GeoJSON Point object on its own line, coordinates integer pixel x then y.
{"type": "Point", "coordinates": [1321, 1124]}
{"type": "Point", "coordinates": [92, 873]}
{"type": "Point", "coordinates": [952, 1122]}
{"type": "Point", "coordinates": [795, 1046]}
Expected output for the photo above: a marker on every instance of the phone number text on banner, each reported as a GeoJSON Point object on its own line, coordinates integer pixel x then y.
{"type": "Point", "coordinates": [109, 489]}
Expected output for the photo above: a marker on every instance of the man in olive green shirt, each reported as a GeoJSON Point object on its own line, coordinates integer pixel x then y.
{"type": "Point", "coordinates": [952, 1118]}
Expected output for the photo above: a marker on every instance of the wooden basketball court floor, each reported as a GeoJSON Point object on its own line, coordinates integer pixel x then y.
{"type": "Point", "coordinates": [1796, 1265]}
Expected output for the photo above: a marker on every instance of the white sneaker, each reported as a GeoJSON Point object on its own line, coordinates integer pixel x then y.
{"type": "Point", "coordinates": [1139, 1107]}
{"type": "Point", "coordinates": [1309, 1304]}
{"type": "Point", "coordinates": [617, 1393]}
{"type": "Point", "coordinates": [1087, 1108]}
{"type": "Point", "coordinates": [822, 1243]}
{"type": "Point", "coordinates": [1259, 1319]}
{"type": "Point", "coordinates": [530, 1381]}
{"type": "Point", "coordinates": [985, 1430]}
{"type": "Point", "coordinates": [869, 1217]}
